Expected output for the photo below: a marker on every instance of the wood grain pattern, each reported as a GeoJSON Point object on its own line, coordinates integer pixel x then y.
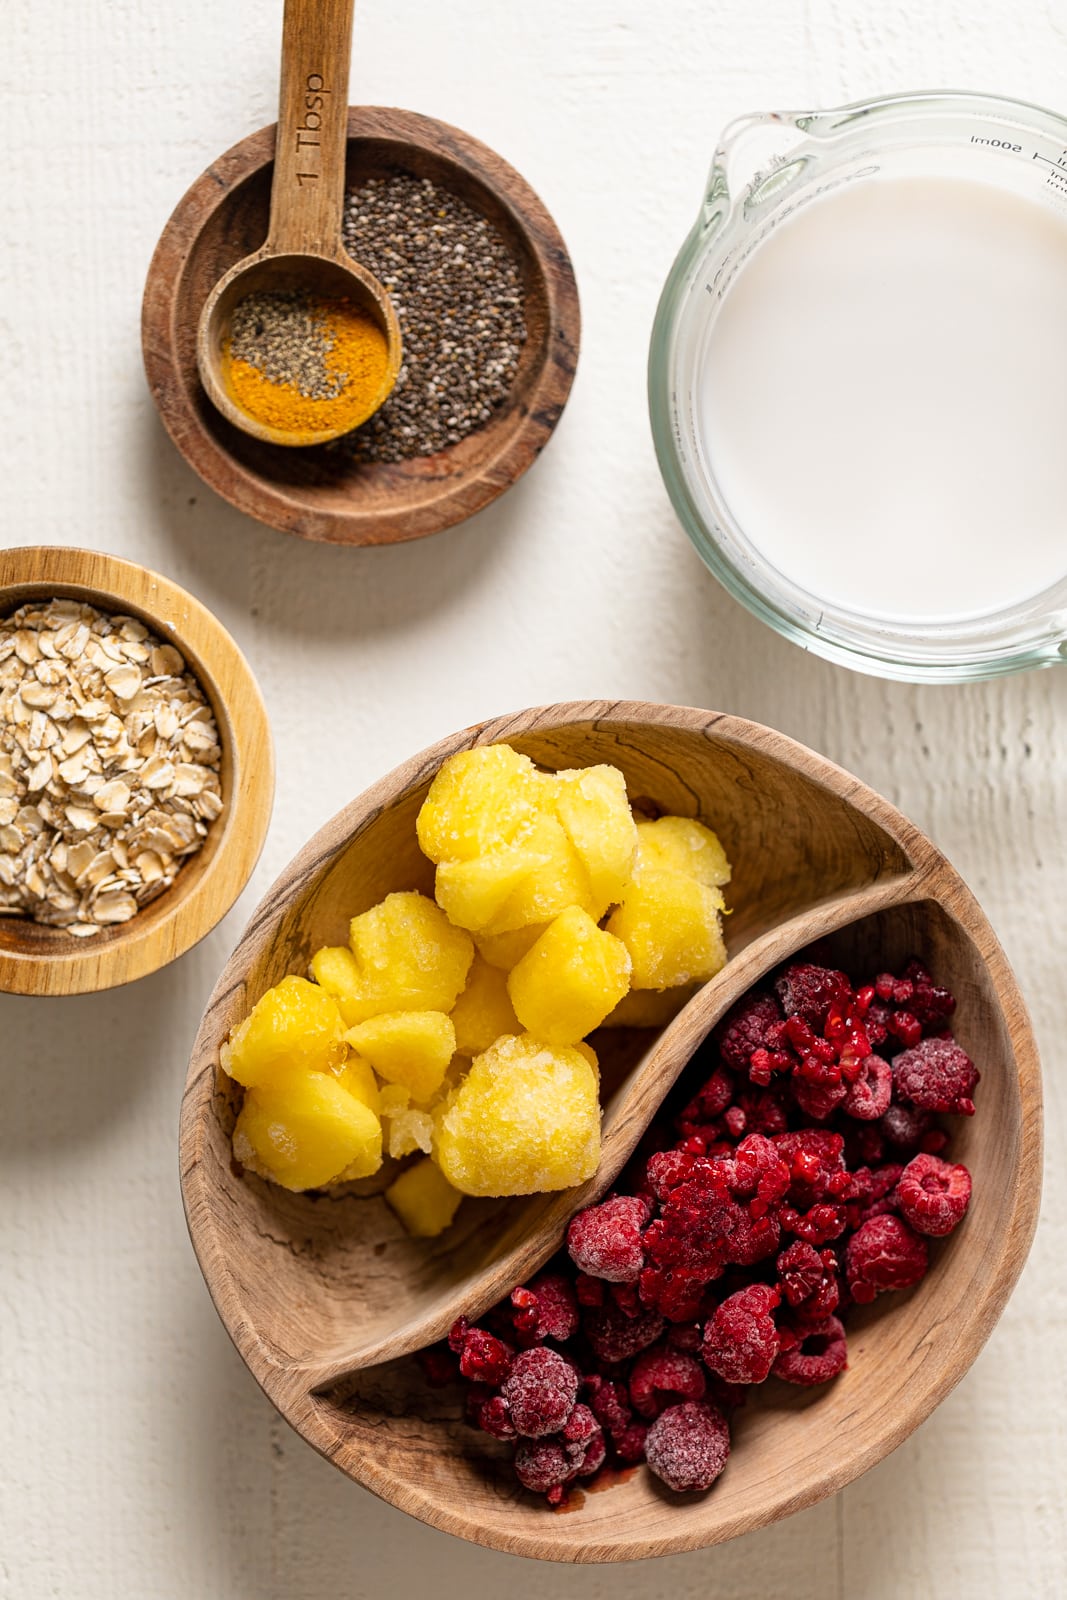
{"type": "Point", "coordinates": [320, 493]}
{"type": "Point", "coordinates": [322, 1295]}
{"type": "Point", "coordinates": [39, 960]}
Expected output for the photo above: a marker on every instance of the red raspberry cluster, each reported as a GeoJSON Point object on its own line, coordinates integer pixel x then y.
{"type": "Point", "coordinates": [803, 1176]}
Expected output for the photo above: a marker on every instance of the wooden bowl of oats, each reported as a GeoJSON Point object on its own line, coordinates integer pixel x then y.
{"type": "Point", "coordinates": [136, 771]}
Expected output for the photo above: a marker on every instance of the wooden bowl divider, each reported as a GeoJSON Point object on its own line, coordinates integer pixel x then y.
{"type": "Point", "coordinates": [325, 1295]}
{"type": "Point", "coordinates": [36, 959]}
{"type": "Point", "coordinates": [319, 493]}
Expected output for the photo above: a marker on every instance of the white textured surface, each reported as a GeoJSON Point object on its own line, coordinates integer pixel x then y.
{"type": "Point", "coordinates": [138, 1458]}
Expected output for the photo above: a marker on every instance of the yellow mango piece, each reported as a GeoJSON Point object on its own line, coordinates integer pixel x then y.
{"type": "Point", "coordinates": [357, 1076]}
{"type": "Point", "coordinates": [504, 949]}
{"type": "Point", "coordinates": [409, 1048]}
{"type": "Point", "coordinates": [483, 1011]}
{"type": "Point", "coordinates": [292, 1029]}
{"type": "Point", "coordinates": [525, 1120]}
{"type": "Point", "coordinates": [304, 1133]}
{"type": "Point", "coordinates": [670, 925]}
{"type": "Point", "coordinates": [591, 804]}
{"type": "Point", "coordinates": [405, 955]}
{"type": "Point", "coordinates": [650, 1008]}
{"type": "Point", "coordinates": [681, 844]}
{"type": "Point", "coordinates": [567, 983]}
{"type": "Point", "coordinates": [556, 880]}
{"type": "Point", "coordinates": [423, 1199]}
{"type": "Point", "coordinates": [408, 1131]}
{"type": "Point", "coordinates": [480, 801]}
{"type": "Point", "coordinates": [472, 893]}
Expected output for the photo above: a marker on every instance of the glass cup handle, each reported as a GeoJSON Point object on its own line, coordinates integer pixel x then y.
{"type": "Point", "coordinates": [753, 149]}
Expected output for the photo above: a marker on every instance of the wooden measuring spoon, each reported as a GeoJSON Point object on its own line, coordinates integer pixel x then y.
{"type": "Point", "coordinates": [303, 249]}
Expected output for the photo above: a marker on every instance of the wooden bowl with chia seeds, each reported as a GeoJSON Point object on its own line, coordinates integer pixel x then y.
{"type": "Point", "coordinates": [37, 958]}
{"type": "Point", "coordinates": [327, 492]}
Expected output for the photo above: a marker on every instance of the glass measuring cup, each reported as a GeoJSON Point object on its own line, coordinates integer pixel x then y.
{"type": "Point", "coordinates": [766, 168]}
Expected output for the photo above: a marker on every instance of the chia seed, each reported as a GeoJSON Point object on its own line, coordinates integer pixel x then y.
{"type": "Point", "coordinates": [457, 292]}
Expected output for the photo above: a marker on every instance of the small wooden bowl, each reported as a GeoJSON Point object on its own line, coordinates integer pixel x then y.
{"type": "Point", "coordinates": [319, 493]}
{"type": "Point", "coordinates": [323, 1295]}
{"type": "Point", "coordinates": [40, 960]}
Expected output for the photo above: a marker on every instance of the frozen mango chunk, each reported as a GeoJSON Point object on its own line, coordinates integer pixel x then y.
{"type": "Point", "coordinates": [525, 1120]}
{"type": "Point", "coordinates": [480, 801]}
{"type": "Point", "coordinates": [405, 1127]}
{"type": "Point", "coordinates": [670, 925]}
{"type": "Point", "coordinates": [572, 977]}
{"type": "Point", "coordinates": [483, 1011]}
{"type": "Point", "coordinates": [357, 1076]}
{"type": "Point", "coordinates": [650, 1008]}
{"type": "Point", "coordinates": [334, 969]}
{"type": "Point", "coordinates": [423, 1199]}
{"type": "Point", "coordinates": [555, 879]}
{"type": "Point", "coordinates": [410, 1048]}
{"type": "Point", "coordinates": [591, 804]}
{"type": "Point", "coordinates": [681, 844]}
{"type": "Point", "coordinates": [504, 949]}
{"type": "Point", "coordinates": [405, 955]}
{"type": "Point", "coordinates": [473, 893]}
{"type": "Point", "coordinates": [293, 1028]}
{"type": "Point", "coordinates": [304, 1133]}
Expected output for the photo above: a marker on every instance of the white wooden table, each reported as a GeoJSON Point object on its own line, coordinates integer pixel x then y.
{"type": "Point", "coordinates": [137, 1457]}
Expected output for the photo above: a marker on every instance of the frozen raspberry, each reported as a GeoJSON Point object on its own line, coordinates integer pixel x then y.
{"type": "Point", "coordinates": [815, 1158]}
{"type": "Point", "coordinates": [662, 1374]}
{"type": "Point", "coordinates": [808, 991]}
{"type": "Point", "coordinates": [818, 1225]}
{"type": "Point", "coordinates": [745, 1029]}
{"type": "Point", "coordinates": [820, 1355]}
{"type": "Point", "coordinates": [936, 1075]}
{"type": "Point", "coordinates": [630, 1443]}
{"type": "Point", "coordinates": [493, 1417]}
{"type": "Point", "coordinates": [669, 1168]}
{"type": "Point", "coordinates": [809, 1280]}
{"type": "Point", "coordinates": [818, 1100]}
{"type": "Point", "coordinates": [758, 1173]}
{"type": "Point", "coordinates": [482, 1357]}
{"type": "Point", "coordinates": [605, 1240]}
{"type": "Point", "coordinates": [545, 1309]}
{"type": "Point", "coordinates": [904, 1126]}
{"type": "Point", "coordinates": [929, 1003]}
{"type": "Point", "coordinates": [613, 1336]}
{"type": "Point", "coordinates": [687, 1445]}
{"type": "Point", "coordinates": [540, 1391]}
{"type": "Point", "coordinates": [609, 1399]}
{"type": "Point", "coordinates": [709, 1102]}
{"type": "Point", "coordinates": [933, 1195]}
{"type": "Point", "coordinates": [885, 1253]}
{"type": "Point", "coordinates": [869, 1096]}
{"type": "Point", "coordinates": [544, 1466]}
{"type": "Point", "coordinates": [674, 1292]}
{"type": "Point", "coordinates": [761, 1111]}
{"type": "Point", "coordinates": [740, 1339]}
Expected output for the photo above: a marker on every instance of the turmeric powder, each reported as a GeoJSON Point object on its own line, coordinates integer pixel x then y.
{"type": "Point", "coordinates": [302, 364]}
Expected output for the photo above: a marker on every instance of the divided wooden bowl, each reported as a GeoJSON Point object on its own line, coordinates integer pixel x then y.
{"type": "Point", "coordinates": [320, 493]}
{"type": "Point", "coordinates": [324, 1297]}
{"type": "Point", "coordinates": [35, 959]}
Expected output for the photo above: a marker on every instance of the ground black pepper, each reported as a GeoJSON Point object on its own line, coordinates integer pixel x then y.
{"type": "Point", "coordinates": [457, 292]}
